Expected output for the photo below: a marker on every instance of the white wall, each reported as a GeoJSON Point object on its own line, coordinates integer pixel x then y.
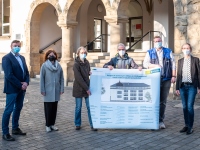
{"type": "Point", "coordinates": [49, 30]}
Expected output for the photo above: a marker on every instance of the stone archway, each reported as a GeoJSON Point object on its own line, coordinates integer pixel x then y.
{"type": "Point", "coordinates": [32, 33]}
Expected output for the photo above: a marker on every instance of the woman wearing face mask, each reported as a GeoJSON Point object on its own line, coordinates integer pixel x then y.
{"type": "Point", "coordinates": [81, 86]}
{"type": "Point", "coordinates": [51, 87]}
{"type": "Point", "coordinates": [188, 84]}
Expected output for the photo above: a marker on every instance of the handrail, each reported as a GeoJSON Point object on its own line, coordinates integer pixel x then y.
{"type": "Point", "coordinates": [96, 38]}
{"type": "Point", "coordinates": [129, 49]}
{"type": "Point", "coordinates": [54, 42]}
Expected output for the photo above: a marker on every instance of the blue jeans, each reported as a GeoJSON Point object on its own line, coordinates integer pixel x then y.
{"type": "Point", "coordinates": [77, 119]}
{"type": "Point", "coordinates": [188, 93]}
{"type": "Point", "coordinates": [14, 103]}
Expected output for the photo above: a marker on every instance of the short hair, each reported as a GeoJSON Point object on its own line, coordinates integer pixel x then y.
{"type": "Point", "coordinates": [121, 44]}
{"type": "Point", "coordinates": [188, 45]}
{"type": "Point", "coordinates": [15, 41]}
{"type": "Point", "coordinates": [157, 36]}
{"type": "Point", "coordinates": [48, 52]}
{"type": "Point", "coordinates": [79, 49]}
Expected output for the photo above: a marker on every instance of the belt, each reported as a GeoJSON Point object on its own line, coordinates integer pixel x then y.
{"type": "Point", "coordinates": [187, 83]}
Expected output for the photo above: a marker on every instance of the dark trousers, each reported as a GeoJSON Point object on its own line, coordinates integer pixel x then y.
{"type": "Point", "coordinates": [164, 92]}
{"type": "Point", "coordinates": [50, 111]}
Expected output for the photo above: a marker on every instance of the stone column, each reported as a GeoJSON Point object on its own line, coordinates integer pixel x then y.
{"type": "Point", "coordinates": [67, 60]}
{"type": "Point", "coordinates": [117, 33]}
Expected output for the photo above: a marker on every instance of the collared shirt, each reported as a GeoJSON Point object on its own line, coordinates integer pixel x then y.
{"type": "Point", "coordinates": [186, 73]}
{"type": "Point", "coordinates": [19, 60]}
{"type": "Point", "coordinates": [146, 62]}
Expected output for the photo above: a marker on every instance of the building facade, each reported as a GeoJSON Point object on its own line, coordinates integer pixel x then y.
{"type": "Point", "coordinates": [65, 25]}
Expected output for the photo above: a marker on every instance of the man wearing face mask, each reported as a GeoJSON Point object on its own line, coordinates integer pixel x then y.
{"type": "Point", "coordinates": [161, 57]}
{"type": "Point", "coordinates": [16, 81]}
{"type": "Point", "coordinates": [121, 60]}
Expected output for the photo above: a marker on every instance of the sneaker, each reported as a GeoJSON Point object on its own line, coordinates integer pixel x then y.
{"type": "Point", "coordinates": [78, 127]}
{"type": "Point", "coordinates": [54, 128]}
{"type": "Point", "coordinates": [48, 129]}
{"type": "Point", "coordinates": [162, 125]}
{"type": "Point", "coordinates": [93, 129]}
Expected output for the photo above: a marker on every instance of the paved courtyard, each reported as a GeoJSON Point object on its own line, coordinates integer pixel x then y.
{"type": "Point", "coordinates": [67, 138]}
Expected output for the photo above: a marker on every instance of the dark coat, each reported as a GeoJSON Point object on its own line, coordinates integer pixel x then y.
{"type": "Point", "coordinates": [82, 81]}
{"type": "Point", "coordinates": [13, 73]}
{"type": "Point", "coordinates": [195, 72]}
{"type": "Point", "coordinates": [121, 63]}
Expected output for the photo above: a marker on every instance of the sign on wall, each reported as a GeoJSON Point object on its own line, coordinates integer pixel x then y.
{"type": "Point", "coordinates": [125, 98]}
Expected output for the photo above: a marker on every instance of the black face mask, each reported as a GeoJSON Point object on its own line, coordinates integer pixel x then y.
{"type": "Point", "coordinates": [52, 58]}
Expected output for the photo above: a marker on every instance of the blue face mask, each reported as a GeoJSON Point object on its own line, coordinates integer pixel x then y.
{"type": "Point", "coordinates": [16, 49]}
{"type": "Point", "coordinates": [82, 56]}
{"type": "Point", "coordinates": [158, 44]}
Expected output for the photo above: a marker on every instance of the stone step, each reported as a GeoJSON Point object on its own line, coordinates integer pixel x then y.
{"type": "Point", "coordinates": [98, 54]}
{"type": "Point", "coordinates": [95, 57]}
{"type": "Point", "coordinates": [94, 61]}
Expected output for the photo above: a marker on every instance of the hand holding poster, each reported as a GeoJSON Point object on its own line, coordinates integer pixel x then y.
{"type": "Point", "coordinates": [125, 98]}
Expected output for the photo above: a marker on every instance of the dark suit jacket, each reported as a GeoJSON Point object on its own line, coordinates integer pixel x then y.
{"type": "Point", "coordinates": [13, 74]}
{"type": "Point", "coordinates": [195, 72]}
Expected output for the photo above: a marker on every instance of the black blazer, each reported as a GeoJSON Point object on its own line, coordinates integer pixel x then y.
{"type": "Point", "coordinates": [195, 72]}
{"type": "Point", "coordinates": [13, 74]}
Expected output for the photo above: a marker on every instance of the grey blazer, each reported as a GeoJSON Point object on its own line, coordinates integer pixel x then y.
{"type": "Point", "coordinates": [195, 72]}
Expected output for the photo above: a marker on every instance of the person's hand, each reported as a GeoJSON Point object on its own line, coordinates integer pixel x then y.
{"type": "Point", "coordinates": [110, 67]}
{"type": "Point", "coordinates": [173, 79]}
{"type": "Point", "coordinates": [43, 93]}
{"type": "Point", "coordinates": [24, 85]}
{"type": "Point", "coordinates": [61, 93]}
{"type": "Point", "coordinates": [140, 68]}
{"type": "Point", "coordinates": [198, 91]}
{"type": "Point", "coordinates": [88, 92]}
{"type": "Point", "coordinates": [178, 92]}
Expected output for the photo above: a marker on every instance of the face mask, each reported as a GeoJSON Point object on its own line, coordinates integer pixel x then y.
{"type": "Point", "coordinates": [82, 56]}
{"type": "Point", "coordinates": [186, 51]}
{"type": "Point", "coordinates": [16, 49]}
{"type": "Point", "coordinates": [121, 53]}
{"type": "Point", "coordinates": [52, 58]}
{"type": "Point", "coordinates": [158, 44]}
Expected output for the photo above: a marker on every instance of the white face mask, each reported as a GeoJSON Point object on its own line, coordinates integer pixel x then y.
{"type": "Point", "coordinates": [121, 53]}
{"type": "Point", "coordinates": [158, 44]}
{"type": "Point", "coordinates": [186, 51]}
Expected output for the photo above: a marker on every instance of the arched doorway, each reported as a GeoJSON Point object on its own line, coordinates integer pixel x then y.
{"type": "Point", "coordinates": [42, 32]}
{"type": "Point", "coordinates": [134, 28]}
{"type": "Point", "coordinates": [92, 25]}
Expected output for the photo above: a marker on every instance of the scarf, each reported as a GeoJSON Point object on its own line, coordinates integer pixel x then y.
{"type": "Point", "coordinates": [50, 66]}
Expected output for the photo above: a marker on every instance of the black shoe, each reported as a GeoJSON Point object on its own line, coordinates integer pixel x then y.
{"type": "Point", "coordinates": [93, 129]}
{"type": "Point", "coordinates": [18, 131]}
{"type": "Point", "coordinates": [8, 137]}
{"type": "Point", "coordinates": [189, 131]}
{"type": "Point", "coordinates": [184, 129]}
{"type": "Point", "coordinates": [78, 127]}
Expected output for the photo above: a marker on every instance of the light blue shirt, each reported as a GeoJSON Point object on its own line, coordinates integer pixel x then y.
{"type": "Point", "coordinates": [19, 60]}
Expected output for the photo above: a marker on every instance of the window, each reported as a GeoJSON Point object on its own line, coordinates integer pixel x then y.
{"type": "Point", "coordinates": [119, 96]}
{"type": "Point", "coordinates": [5, 18]}
{"type": "Point", "coordinates": [119, 92]}
{"type": "Point", "coordinates": [125, 98]}
{"type": "Point", "coordinates": [140, 98]}
{"type": "Point", "coordinates": [132, 98]}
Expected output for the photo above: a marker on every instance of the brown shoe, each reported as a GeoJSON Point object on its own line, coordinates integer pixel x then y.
{"type": "Point", "coordinates": [78, 127]}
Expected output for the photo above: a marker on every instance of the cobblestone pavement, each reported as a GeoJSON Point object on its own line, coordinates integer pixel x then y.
{"type": "Point", "coordinates": [32, 121]}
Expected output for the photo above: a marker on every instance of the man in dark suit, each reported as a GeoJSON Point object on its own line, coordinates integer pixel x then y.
{"type": "Point", "coordinates": [16, 80]}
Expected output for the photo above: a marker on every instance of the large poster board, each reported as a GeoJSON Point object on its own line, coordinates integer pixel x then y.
{"type": "Point", "coordinates": [125, 98]}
